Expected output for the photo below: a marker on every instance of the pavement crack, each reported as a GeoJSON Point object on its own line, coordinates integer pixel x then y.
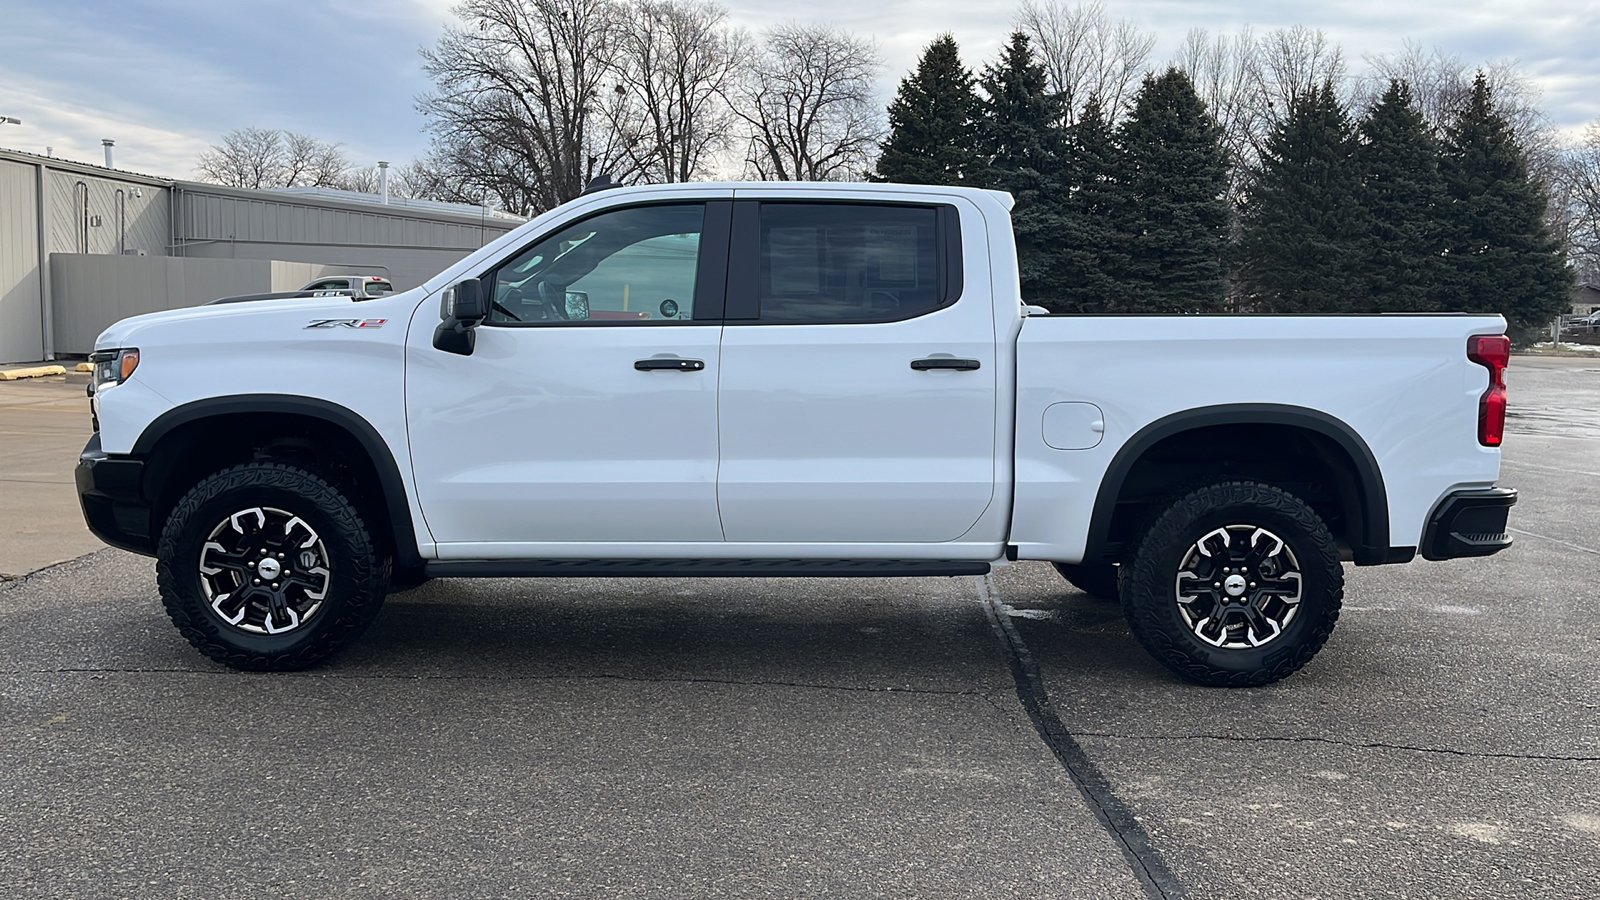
{"type": "Point", "coordinates": [1145, 861]}
{"type": "Point", "coordinates": [1354, 745]}
{"type": "Point", "coordinates": [11, 581]}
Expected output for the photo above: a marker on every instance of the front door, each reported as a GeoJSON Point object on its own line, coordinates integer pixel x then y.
{"type": "Point", "coordinates": [588, 410]}
{"type": "Point", "coordinates": [858, 387]}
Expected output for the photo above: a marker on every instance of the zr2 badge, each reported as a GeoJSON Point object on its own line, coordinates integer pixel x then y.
{"type": "Point", "coordinates": [347, 323]}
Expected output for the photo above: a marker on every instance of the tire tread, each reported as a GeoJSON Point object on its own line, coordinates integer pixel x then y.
{"type": "Point", "coordinates": [367, 568]}
{"type": "Point", "coordinates": [1143, 567]}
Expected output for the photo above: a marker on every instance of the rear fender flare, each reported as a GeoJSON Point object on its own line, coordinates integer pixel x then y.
{"type": "Point", "coordinates": [1370, 544]}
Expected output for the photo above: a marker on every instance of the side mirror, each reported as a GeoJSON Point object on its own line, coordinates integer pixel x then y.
{"type": "Point", "coordinates": [462, 309]}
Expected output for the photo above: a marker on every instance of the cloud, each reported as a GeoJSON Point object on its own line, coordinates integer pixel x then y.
{"type": "Point", "coordinates": [167, 77]}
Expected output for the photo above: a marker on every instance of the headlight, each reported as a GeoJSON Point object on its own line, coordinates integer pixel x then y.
{"type": "Point", "coordinates": [113, 366]}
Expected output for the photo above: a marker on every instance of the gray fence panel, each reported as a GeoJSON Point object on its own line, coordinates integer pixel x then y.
{"type": "Point", "coordinates": [92, 291]}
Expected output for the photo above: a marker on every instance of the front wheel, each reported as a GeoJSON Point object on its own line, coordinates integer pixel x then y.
{"type": "Point", "coordinates": [1235, 584]}
{"type": "Point", "coordinates": [266, 566]}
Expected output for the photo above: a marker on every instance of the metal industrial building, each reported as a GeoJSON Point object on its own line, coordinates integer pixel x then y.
{"type": "Point", "coordinates": [82, 246]}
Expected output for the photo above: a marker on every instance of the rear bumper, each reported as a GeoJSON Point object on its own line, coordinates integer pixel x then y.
{"type": "Point", "coordinates": [110, 490]}
{"type": "Point", "coordinates": [1469, 523]}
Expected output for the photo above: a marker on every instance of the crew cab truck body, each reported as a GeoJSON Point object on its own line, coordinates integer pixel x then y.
{"type": "Point", "coordinates": [785, 380]}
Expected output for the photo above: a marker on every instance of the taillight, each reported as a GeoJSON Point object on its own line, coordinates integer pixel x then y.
{"type": "Point", "coordinates": [1493, 352]}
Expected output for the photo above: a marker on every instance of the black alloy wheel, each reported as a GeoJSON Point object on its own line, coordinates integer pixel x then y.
{"type": "Point", "coordinates": [268, 566]}
{"type": "Point", "coordinates": [1235, 584]}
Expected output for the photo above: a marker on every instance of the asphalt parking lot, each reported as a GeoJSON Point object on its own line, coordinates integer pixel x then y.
{"type": "Point", "coordinates": [954, 737]}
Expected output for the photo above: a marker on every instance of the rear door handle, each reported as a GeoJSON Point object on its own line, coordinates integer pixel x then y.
{"type": "Point", "coordinates": [944, 362]}
{"type": "Point", "coordinates": [669, 362]}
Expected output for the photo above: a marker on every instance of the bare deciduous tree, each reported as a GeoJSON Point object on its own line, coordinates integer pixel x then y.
{"type": "Point", "coordinates": [308, 161]}
{"type": "Point", "coordinates": [1442, 84]}
{"type": "Point", "coordinates": [268, 158]}
{"type": "Point", "coordinates": [1295, 62]}
{"type": "Point", "coordinates": [1226, 71]}
{"type": "Point", "coordinates": [516, 108]}
{"type": "Point", "coordinates": [1248, 83]}
{"type": "Point", "coordinates": [1086, 53]}
{"type": "Point", "coordinates": [245, 157]}
{"type": "Point", "coordinates": [364, 181]}
{"type": "Point", "coordinates": [677, 61]}
{"type": "Point", "coordinates": [1575, 195]}
{"type": "Point", "coordinates": [811, 106]}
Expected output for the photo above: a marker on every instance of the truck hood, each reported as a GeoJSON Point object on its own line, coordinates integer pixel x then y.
{"type": "Point", "coordinates": [249, 315]}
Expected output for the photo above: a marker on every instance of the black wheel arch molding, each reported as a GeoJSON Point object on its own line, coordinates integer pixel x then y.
{"type": "Point", "coordinates": [401, 527]}
{"type": "Point", "coordinates": [1369, 528]}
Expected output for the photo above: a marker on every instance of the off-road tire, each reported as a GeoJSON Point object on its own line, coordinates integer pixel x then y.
{"type": "Point", "coordinates": [1098, 581]}
{"type": "Point", "coordinates": [357, 579]}
{"type": "Point", "coordinates": [1151, 575]}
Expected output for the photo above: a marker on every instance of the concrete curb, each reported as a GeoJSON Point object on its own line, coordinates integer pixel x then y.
{"type": "Point", "coordinates": [35, 372]}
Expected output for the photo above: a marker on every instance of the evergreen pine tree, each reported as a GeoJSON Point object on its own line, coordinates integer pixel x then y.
{"type": "Point", "coordinates": [1092, 262]}
{"type": "Point", "coordinates": [1020, 150]}
{"type": "Point", "coordinates": [1175, 173]}
{"type": "Point", "coordinates": [1501, 257]}
{"type": "Point", "coordinates": [1403, 194]}
{"type": "Point", "coordinates": [1301, 222]}
{"type": "Point", "coordinates": [932, 122]}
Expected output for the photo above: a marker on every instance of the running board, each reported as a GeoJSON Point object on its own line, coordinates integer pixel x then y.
{"type": "Point", "coordinates": [701, 568]}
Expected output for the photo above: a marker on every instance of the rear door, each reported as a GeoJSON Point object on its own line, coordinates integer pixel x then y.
{"type": "Point", "coordinates": [858, 387]}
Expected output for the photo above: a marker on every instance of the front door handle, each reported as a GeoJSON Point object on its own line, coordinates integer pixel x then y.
{"type": "Point", "coordinates": [944, 362]}
{"type": "Point", "coordinates": [669, 362]}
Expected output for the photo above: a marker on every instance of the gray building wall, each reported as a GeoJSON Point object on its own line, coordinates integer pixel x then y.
{"type": "Point", "coordinates": [20, 302]}
{"type": "Point", "coordinates": [89, 214]}
{"type": "Point", "coordinates": [408, 246]}
{"type": "Point", "coordinates": [83, 210]}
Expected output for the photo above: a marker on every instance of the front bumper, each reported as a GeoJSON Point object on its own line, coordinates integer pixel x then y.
{"type": "Point", "coordinates": [1469, 523]}
{"type": "Point", "coordinates": [111, 491]}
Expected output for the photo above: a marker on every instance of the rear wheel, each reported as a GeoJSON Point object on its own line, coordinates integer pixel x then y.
{"type": "Point", "coordinates": [267, 566]}
{"type": "Point", "coordinates": [1098, 581]}
{"type": "Point", "coordinates": [1235, 584]}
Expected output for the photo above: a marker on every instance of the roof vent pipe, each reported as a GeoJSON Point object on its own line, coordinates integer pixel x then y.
{"type": "Point", "coordinates": [383, 181]}
{"type": "Point", "coordinates": [106, 143]}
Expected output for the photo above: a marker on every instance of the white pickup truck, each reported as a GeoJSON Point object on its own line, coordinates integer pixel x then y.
{"type": "Point", "coordinates": [785, 380]}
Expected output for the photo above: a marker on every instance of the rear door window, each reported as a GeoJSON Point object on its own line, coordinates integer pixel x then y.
{"type": "Point", "coordinates": [839, 263]}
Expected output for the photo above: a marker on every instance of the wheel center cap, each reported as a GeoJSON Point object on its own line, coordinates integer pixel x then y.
{"type": "Point", "coordinates": [269, 569]}
{"type": "Point", "coordinates": [1234, 585]}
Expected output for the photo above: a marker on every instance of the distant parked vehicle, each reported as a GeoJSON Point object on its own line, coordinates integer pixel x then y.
{"type": "Point", "coordinates": [356, 287]}
{"type": "Point", "coordinates": [1589, 323]}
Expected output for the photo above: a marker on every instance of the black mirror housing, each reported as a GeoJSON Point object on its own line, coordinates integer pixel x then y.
{"type": "Point", "coordinates": [466, 303]}
{"type": "Point", "coordinates": [462, 309]}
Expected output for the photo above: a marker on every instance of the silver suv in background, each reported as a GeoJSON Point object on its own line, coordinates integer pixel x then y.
{"type": "Point", "coordinates": [356, 287]}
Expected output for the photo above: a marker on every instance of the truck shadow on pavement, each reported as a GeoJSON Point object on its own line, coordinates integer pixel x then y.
{"type": "Point", "coordinates": [845, 633]}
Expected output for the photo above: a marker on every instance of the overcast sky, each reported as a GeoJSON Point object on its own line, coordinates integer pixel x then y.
{"type": "Point", "coordinates": [164, 78]}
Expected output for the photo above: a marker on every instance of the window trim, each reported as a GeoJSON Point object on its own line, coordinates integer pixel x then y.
{"type": "Point", "coordinates": [710, 284]}
{"type": "Point", "coordinates": [743, 297]}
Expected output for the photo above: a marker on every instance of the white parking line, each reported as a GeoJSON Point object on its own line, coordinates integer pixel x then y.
{"type": "Point", "coordinates": [1527, 465]}
{"type": "Point", "coordinates": [1546, 537]}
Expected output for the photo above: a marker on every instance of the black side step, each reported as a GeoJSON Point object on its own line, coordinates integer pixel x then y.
{"type": "Point", "coordinates": [702, 568]}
